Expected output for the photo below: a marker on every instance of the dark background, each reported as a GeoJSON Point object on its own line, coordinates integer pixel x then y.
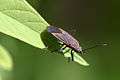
{"type": "Point", "coordinates": [88, 21]}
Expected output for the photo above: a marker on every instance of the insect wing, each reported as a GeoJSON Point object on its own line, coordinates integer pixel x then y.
{"type": "Point", "coordinates": [71, 41]}
{"type": "Point", "coordinates": [61, 37]}
{"type": "Point", "coordinates": [52, 29]}
{"type": "Point", "coordinates": [57, 33]}
{"type": "Point", "coordinates": [64, 37]}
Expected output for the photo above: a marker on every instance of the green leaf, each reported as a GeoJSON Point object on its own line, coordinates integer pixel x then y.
{"type": "Point", "coordinates": [77, 58]}
{"type": "Point", "coordinates": [5, 59]}
{"type": "Point", "coordinates": [19, 20]}
{"type": "Point", "coordinates": [54, 45]}
{"type": "Point", "coordinates": [0, 77]}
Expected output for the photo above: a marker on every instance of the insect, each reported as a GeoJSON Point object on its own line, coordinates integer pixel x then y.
{"type": "Point", "coordinates": [67, 40]}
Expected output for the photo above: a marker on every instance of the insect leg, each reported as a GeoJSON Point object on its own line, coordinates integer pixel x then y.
{"type": "Point", "coordinates": [72, 56]}
{"type": "Point", "coordinates": [64, 46]}
{"type": "Point", "coordinates": [67, 50]}
{"type": "Point", "coordinates": [61, 43]}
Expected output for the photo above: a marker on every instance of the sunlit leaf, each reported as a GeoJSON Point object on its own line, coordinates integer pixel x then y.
{"type": "Point", "coordinates": [19, 20]}
{"type": "Point", "coordinates": [77, 58]}
{"type": "Point", "coordinates": [5, 59]}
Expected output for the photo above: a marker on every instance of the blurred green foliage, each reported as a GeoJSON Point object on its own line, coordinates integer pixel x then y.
{"type": "Point", "coordinates": [92, 20]}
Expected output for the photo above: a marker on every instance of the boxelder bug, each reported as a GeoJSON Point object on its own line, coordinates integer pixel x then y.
{"type": "Point", "coordinates": [68, 40]}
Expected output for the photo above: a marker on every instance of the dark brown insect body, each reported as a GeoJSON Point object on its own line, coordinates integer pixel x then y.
{"type": "Point", "coordinates": [66, 38]}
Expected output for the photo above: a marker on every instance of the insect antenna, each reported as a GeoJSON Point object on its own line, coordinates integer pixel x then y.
{"type": "Point", "coordinates": [97, 45]}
